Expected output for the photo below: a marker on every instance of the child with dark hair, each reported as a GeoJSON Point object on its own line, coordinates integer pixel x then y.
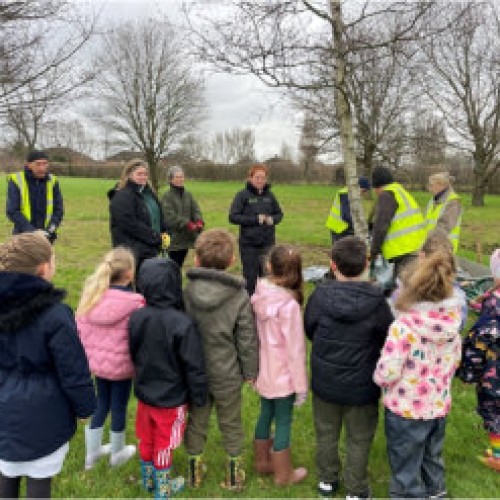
{"type": "Point", "coordinates": [346, 320]}
{"type": "Point", "coordinates": [282, 379]}
{"type": "Point", "coordinates": [44, 375]}
{"type": "Point", "coordinates": [221, 307]}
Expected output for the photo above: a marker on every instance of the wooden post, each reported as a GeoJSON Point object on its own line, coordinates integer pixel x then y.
{"type": "Point", "coordinates": [479, 252]}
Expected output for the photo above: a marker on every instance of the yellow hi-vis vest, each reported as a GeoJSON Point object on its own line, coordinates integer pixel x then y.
{"type": "Point", "coordinates": [19, 179]}
{"type": "Point", "coordinates": [334, 221]}
{"type": "Point", "coordinates": [407, 231]}
{"type": "Point", "coordinates": [434, 212]}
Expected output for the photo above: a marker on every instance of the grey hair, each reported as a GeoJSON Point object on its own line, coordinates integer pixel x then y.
{"type": "Point", "coordinates": [174, 169]}
{"type": "Point", "coordinates": [443, 178]}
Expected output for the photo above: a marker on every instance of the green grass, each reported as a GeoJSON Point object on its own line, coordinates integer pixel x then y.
{"type": "Point", "coordinates": [84, 238]}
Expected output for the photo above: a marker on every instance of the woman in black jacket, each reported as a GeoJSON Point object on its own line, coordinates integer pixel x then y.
{"type": "Point", "coordinates": [136, 218]}
{"type": "Point", "coordinates": [256, 211]}
{"type": "Point", "coordinates": [45, 381]}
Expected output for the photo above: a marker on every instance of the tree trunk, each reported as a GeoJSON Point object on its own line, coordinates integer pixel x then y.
{"type": "Point", "coordinates": [153, 169]}
{"type": "Point", "coordinates": [344, 116]}
{"type": "Point", "coordinates": [478, 194]}
{"type": "Point", "coordinates": [479, 180]}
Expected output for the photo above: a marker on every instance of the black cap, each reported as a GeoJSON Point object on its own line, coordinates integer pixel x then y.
{"type": "Point", "coordinates": [381, 176]}
{"type": "Point", "coordinates": [364, 183]}
{"type": "Point", "coordinates": [36, 155]}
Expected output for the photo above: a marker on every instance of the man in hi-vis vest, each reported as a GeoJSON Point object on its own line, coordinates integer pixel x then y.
{"type": "Point", "coordinates": [399, 228]}
{"type": "Point", "coordinates": [339, 220]}
{"type": "Point", "coordinates": [34, 199]}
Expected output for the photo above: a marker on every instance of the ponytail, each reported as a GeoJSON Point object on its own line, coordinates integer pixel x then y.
{"type": "Point", "coordinates": [113, 268]}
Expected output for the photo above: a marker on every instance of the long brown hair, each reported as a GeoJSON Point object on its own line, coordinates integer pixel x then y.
{"type": "Point", "coordinates": [286, 270]}
{"type": "Point", "coordinates": [430, 279]}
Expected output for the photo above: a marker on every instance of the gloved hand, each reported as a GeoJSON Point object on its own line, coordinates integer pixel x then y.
{"type": "Point", "coordinates": [200, 225]}
{"type": "Point", "coordinates": [51, 234]}
{"type": "Point", "coordinates": [191, 226]}
{"type": "Point", "coordinates": [269, 220]}
{"type": "Point", "coordinates": [165, 241]}
{"type": "Point", "coordinates": [261, 218]}
{"type": "Point", "coordinates": [300, 398]}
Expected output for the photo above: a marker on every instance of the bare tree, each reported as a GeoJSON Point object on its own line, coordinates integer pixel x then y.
{"type": "Point", "coordinates": [461, 75]}
{"type": "Point", "coordinates": [309, 144]}
{"type": "Point", "coordinates": [268, 39]}
{"type": "Point", "coordinates": [149, 91]}
{"type": "Point", "coordinates": [286, 153]}
{"type": "Point", "coordinates": [37, 37]}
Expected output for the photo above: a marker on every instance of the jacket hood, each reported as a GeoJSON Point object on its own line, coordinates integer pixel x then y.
{"type": "Point", "coordinates": [437, 322]}
{"type": "Point", "coordinates": [347, 301]}
{"type": "Point", "coordinates": [22, 298]}
{"type": "Point", "coordinates": [114, 307]}
{"type": "Point", "coordinates": [160, 283]}
{"type": "Point", "coordinates": [269, 298]}
{"type": "Point", "coordinates": [212, 287]}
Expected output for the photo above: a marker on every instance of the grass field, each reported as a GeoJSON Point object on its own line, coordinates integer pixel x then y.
{"type": "Point", "coordinates": [84, 238]}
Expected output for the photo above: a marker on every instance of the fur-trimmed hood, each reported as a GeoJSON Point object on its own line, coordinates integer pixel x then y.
{"type": "Point", "coordinates": [22, 298]}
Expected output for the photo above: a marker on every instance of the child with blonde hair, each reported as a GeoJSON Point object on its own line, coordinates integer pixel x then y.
{"type": "Point", "coordinates": [102, 317]}
{"type": "Point", "coordinates": [418, 361]}
{"type": "Point", "coordinates": [282, 379]}
{"type": "Point", "coordinates": [481, 364]}
{"type": "Point", "coordinates": [45, 379]}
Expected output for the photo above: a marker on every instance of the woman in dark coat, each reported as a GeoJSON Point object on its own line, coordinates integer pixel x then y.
{"type": "Point", "coordinates": [256, 210]}
{"type": "Point", "coordinates": [183, 214]}
{"type": "Point", "coordinates": [136, 218]}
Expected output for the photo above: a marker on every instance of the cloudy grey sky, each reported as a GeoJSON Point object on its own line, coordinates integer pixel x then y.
{"type": "Point", "coordinates": [234, 101]}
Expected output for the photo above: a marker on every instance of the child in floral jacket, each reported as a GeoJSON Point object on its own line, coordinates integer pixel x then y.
{"type": "Point", "coordinates": [415, 370]}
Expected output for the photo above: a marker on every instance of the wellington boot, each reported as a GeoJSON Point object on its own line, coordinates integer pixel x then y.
{"type": "Point", "coordinates": [197, 470]}
{"type": "Point", "coordinates": [262, 456]}
{"type": "Point", "coordinates": [94, 447]}
{"type": "Point", "coordinates": [165, 485]}
{"type": "Point", "coordinates": [235, 476]}
{"type": "Point", "coordinates": [148, 476]}
{"type": "Point", "coordinates": [120, 452]}
{"type": "Point", "coordinates": [284, 473]}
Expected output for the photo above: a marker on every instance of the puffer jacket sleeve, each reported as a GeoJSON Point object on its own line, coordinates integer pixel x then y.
{"type": "Point", "coordinates": [312, 314]}
{"type": "Point", "coordinates": [291, 326]}
{"type": "Point", "coordinates": [247, 343]}
{"type": "Point", "coordinates": [471, 369]}
{"type": "Point", "coordinates": [71, 362]}
{"type": "Point", "coordinates": [191, 352]}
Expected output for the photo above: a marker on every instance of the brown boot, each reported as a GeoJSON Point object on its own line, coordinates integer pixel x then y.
{"type": "Point", "coordinates": [262, 456]}
{"type": "Point", "coordinates": [283, 471]}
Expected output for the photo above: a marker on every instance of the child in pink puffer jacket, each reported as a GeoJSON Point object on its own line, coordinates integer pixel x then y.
{"type": "Point", "coordinates": [282, 379]}
{"type": "Point", "coordinates": [102, 318]}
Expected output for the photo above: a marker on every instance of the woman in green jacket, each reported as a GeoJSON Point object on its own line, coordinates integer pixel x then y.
{"type": "Point", "coordinates": [183, 214]}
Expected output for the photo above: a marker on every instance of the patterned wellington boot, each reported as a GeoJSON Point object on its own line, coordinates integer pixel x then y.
{"type": "Point", "coordinates": [197, 470]}
{"type": "Point", "coordinates": [235, 476]}
{"type": "Point", "coordinates": [490, 460]}
{"type": "Point", "coordinates": [148, 476]}
{"type": "Point", "coordinates": [165, 485]}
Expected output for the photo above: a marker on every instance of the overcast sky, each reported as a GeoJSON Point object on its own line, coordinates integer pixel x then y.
{"type": "Point", "coordinates": [234, 101]}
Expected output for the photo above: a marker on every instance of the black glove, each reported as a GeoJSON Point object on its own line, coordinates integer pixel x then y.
{"type": "Point", "coordinates": [51, 234]}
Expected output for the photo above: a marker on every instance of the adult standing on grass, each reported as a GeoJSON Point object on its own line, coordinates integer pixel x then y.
{"type": "Point", "coordinates": [399, 228]}
{"type": "Point", "coordinates": [34, 199]}
{"type": "Point", "coordinates": [445, 208]}
{"type": "Point", "coordinates": [256, 210]}
{"type": "Point", "coordinates": [339, 220]}
{"type": "Point", "coordinates": [136, 219]}
{"type": "Point", "coordinates": [183, 214]}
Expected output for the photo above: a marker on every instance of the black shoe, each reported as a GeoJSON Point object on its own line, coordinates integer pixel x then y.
{"type": "Point", "coordinates": [328, 490]}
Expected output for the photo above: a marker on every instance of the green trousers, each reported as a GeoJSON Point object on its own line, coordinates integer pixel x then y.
{"type": "Point", "coordinates": [281, 411]}
{"type": "Point", "coordinates": [228, 408]}
{"type": "Point", "coordinates": [361, 424]}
